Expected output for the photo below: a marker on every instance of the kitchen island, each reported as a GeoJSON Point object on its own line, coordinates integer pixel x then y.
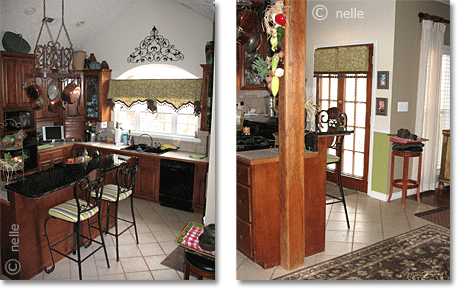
{"type": "Point", "coordinates": [258, 202]}
{"type": "Point", "coordinates": [23, 246]}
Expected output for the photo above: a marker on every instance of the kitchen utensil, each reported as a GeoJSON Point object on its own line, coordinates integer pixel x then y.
{"type": "Point", "coordinates": [53, 91]}
{"type": "Point", "coordinates": [78, 59]}
{"type": "Point", "coordinates": [93, 137]}
{"type": "Point", "coordinates": [254, 43]}
{"type": "Point", "coordinates": [33, 91]}
{"type": "Point", "coordinates": [71, 93]}
{"type": "Point", "coordinates": [15, 43]}
{"type": "Point", "coordinates": [55, 105]}
{"type": "Point", "coordinates": [207, 239]}
{"type": "Point", "coordinates": [37, 104]}
{"type": "Point", "coordinates": [80, 107]}
{"type": "Point", "coordinates": [247, 21]}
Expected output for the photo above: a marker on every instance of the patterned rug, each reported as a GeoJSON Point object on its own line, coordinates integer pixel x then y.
{"type": "Point", "coordinates": [421, 254]}
{"type": "Point", "coordinates": [440, 216]}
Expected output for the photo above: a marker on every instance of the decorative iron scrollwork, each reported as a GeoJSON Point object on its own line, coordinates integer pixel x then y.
{"type": "Point", "coordinates": [155, 48]}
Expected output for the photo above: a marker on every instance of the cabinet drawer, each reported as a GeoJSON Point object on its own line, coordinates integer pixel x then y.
{"type": "Point", "coordinates": [243, 173]}
{"type": "Point", "coordinates": [48, 155]}
{"type": "Point", "coordinates": [243, 237]}
{"type": "Point", "coordinates": [243, 207]}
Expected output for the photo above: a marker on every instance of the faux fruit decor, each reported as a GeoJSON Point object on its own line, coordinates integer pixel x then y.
{"type": "Point", "coordinates": [274, 22]}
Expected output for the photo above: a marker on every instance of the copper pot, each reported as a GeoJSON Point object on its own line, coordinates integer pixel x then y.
{"type": "Point", "coordinates": [37, 104]}
{"type": "Point", "coordinates": [33, 91]}
{"type": "Point", "coordinates": [247, 22]}
{"type": "Point", "coordinates": [55, 105]}
{"type": "Point", "coordinates": [71, 93]}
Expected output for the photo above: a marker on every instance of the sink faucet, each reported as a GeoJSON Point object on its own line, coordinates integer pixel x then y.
{"type": "Point", "coordinates": [152, 142]}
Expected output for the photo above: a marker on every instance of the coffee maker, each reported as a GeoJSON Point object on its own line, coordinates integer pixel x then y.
{"type": "Point", "coordinates": [89, 136]}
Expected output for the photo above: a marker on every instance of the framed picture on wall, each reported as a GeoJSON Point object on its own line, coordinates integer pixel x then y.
{"type": "Point", "coordinates": [383, 79]}
{"type": "Point", "coordinates": [381, 106]}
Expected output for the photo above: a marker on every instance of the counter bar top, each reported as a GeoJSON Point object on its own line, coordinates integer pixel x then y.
{"type": "Point", "coordinates": [62, 175]}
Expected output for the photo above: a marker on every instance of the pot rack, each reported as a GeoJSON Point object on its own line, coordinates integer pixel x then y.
{"type": "Point", "coordinates": [52, 61]}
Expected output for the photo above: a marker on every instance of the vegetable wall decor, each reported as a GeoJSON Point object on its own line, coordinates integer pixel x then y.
{"type": "Point", "coordinates": [155, 48]}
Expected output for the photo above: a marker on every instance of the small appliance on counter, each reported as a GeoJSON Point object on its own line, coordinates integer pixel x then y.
{"type": "Point", "coordinates": [90, 136]}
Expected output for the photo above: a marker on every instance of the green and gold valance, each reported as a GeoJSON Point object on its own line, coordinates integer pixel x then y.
{"type": "Point", "coordinates": [174, 91]}
{"type": "Point", "coordinates": [342, 59]}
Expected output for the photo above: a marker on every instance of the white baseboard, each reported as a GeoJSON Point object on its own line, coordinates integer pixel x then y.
{"type": "Point", "coordinates": [385, 197]}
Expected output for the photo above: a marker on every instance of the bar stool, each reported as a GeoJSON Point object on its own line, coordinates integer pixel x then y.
{"type": "Point", "coordinates": [125, 177]}
{"type": "Point", "coordinates": [201, 266]}
{"type": "Point", "coordinates": [77, 210]}
{"type": "Point", "coordinates": [405, 183]}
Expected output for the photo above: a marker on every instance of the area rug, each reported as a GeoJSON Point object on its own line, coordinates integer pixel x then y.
{"type": "Point", "coordinates": [440, 216]}
{"type": "Point", "coordinates": [420, 254]}
{"type": "Point", "coordinates": [176, 260]}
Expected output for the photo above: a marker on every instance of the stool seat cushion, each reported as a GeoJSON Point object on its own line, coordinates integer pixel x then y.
{"type": "Point", "coordinates": [68, 211]}
{"type": "Point", "coordinates": [332, 159]}
{"type": "Point", "coordinates": [199, 262]}
{"type": "Point", "coordinates": [110, 193]}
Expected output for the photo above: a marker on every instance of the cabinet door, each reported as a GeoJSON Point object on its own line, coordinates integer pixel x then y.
{"type": "Point", "coordinates": [96, 85]}
{"type": "Point", "coordinates": [13, 77]}
{"type": "Point", "coordinates": [148, 177]}
{"type": "Point", "coordinates": [207, 97]}
{"type": "Point", "coordinates": [248, 79]}
{"type": "Point", "coordinates": [91, 84]}
{"type": "Point", "coordinates": [199, 199]}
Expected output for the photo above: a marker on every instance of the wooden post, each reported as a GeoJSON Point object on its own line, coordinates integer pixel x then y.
{"type": "Point", "coordinates": [291, 136]}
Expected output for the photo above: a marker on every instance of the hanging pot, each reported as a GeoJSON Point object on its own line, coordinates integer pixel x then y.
{"type": "Point", "coordinates": [71, 93]}
{"type": "Point", "coordinates": [37, 104]}
{"type": "Point", "coordinates": [247, 22]}
{"type": "Point", "coordinates": [33, 91]}
{"type": "Point", "coordinates": [254, 43]}
{"type": "Point", "coordinates": [55, 105]}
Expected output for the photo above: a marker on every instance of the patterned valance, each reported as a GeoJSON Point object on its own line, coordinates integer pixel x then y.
{"type": "Point", "coordinates": [342, 59]}
{"type": "Point", "coordinates": [174, 91]}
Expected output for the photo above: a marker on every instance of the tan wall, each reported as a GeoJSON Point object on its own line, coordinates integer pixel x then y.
{"type": "Point", "coordinates": [408, 32]}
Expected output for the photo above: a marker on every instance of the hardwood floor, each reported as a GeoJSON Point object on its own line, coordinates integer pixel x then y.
{"type": "Point", "coordinates": [437, 198]}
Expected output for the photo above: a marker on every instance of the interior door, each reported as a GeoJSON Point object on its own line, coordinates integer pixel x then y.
{"type": "Point", "coordinates": [351, 92]}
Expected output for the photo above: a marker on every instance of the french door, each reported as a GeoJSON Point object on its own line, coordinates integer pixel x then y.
{"type": "Point", "coordinates": [350, 92]}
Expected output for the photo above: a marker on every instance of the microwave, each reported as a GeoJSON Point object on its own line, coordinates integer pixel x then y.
{"type": "Point", "coordinates": [15, 120]}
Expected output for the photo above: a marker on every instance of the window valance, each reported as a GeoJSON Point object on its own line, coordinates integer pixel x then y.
{"type": "Point", "coordinates": [341, 59]}
{"type": "Point", "coordinates": [174, 91]}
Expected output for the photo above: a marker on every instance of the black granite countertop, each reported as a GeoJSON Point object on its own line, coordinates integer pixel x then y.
{"type": "Point", "coordinates": [61, 176]}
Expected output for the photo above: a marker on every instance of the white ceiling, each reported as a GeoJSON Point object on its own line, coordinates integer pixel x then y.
{"type": "Point", "coordinates": [98, 15]}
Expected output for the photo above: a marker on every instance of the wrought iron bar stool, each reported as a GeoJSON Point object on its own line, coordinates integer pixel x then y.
{"type": "Point", "coordinates": [85, 204]}
{"type": "Point", "coordinates": [334, 119]}
{"type": "Point", "coordinates": [114, 193]}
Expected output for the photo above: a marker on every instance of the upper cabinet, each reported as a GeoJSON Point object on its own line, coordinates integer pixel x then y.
{"type": "Point", "coordinates": [14, 66]}
{"type": "Point", "coordinates": [207, 97]}
{"type": "Point", "coordinates": [248, 79]}
{"type": "Point", "coordinates": [96, 84]}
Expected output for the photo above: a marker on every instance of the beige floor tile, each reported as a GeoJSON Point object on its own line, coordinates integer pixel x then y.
{"type": "Point", "coordinates": [248, 270]}
{"type": "Point", "coordinates": [136, 264]}
{"type": "Point", "coordinates": [374, 227]}
{"type": "Point", "coordinates": [168, 247]}
{"type": "Point", "coordinates": [153, 262]}
{"type": "Point", "coordinates": [337, 248]}
{"type": "Point", "coordinates": [367, 237]}
{"type": "Point", "coordinates": [114, 269]}
{"type": "Point", "coordinates": [150, 249]}
{"type": "Point", "coordinates": [139, 276]}
{"type": "Point", "coordinates": [367, 218]}
{"type": "Point", "coordinates": [339, 236]}
{"type": "Point", "coordinates": [339, 225]}
{"type": "Point", "coordinates": [112, 277]}
{"type": "Point", "coordinates": [168, 274]}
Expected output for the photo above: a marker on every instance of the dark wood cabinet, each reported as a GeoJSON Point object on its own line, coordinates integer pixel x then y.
{"type": "Point", "coordinates": [248, 79]}
{"type": "Point", "coordinates": [49, 157]}
{"type": "Point", "coordinates": [207, 97]}
{"type": "Point", "coordinates": [96, 84]}
{"type": "Point", "coordinates": [199, 200]}
{"type": "Point", "coordinates": [148, 175]}
{"type": "Point", "coordinates": [14, 66]}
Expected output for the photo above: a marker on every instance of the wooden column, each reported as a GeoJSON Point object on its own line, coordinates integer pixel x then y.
{"type": "Point", "coordinates": [291, 136]}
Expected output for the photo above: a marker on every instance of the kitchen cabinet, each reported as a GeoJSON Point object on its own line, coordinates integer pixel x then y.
{"type": "Point", "coordinates": [14, 66]}
{"type": "Point", "coordinates": [96, 84]}
{"type": "Point", "coordinates": [207, 97]}
{"type": "Point", "coordinates": [199, 199]}
{"type": "Point", "coordinates": [148, 178]}
{"type": "Point", "coordinates": [257, 215]}
{"type": "Point", "coordinates": [248, 79]}
{"type": "Point", "coordinates": [47, 158]}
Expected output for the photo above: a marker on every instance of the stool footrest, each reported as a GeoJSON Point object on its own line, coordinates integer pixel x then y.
{"type": "Point", "coordinates": [410, 184]}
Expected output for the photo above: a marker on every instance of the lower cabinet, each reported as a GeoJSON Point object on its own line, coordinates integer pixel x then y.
{"type": "Point", "coordinates": [148, 178]}
{"type": "Point", "coordinates": [199, 200]}
{"type": "Point", "coordinates": [257, 215]}
{"type": "Point", "coordinates": [49, 157]}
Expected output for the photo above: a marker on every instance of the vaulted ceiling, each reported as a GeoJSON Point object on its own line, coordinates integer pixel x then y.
{"type": "Point", "coordinates": [97, 14]}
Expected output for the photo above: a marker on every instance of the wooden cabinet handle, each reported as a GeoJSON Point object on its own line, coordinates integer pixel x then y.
{"type": "Point", "coordinates": [241, 237]}
{"type": "Point", "coordinates": [240, 202]}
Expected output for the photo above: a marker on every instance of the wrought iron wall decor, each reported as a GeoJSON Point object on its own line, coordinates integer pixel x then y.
{"type": "Point", "coordinates": [155, 48]}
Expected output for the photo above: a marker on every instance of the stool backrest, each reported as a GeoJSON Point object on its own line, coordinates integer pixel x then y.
{"type": "Point", "coordinates": [126, 175]}
{"type": "Point", "coordinates": [90, 190]}
{"type": "Point", "coordinates": [333, 119]}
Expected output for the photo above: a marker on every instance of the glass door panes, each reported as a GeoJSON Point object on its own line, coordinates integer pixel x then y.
{"type": "Point", "coordinates": [92, 96]}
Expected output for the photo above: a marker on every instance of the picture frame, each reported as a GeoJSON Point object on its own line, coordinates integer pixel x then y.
{"type": "Point", "coordinates": [381, 106]}
{"type": "Point", "coordinates": [383, 79]}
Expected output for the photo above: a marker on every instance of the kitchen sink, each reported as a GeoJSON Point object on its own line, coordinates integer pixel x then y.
{"type": "Point", "coordinates": [144, 148]}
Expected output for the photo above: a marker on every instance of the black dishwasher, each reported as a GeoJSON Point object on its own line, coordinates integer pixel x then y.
{"type": "Point", "coordinates": [176, 184]}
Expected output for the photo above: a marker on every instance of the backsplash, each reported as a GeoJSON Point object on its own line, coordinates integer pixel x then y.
{"type": "Point", "coordinates": [255, 101]}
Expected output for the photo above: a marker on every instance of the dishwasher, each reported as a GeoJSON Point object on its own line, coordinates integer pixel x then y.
{"type": "Point", "coordinates": [176, 184]}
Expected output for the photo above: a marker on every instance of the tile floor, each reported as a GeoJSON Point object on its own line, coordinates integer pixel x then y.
{"type": "Point", "coordinates": [371, 221]}
{"type": "Point", "coordinates": [158, 228]}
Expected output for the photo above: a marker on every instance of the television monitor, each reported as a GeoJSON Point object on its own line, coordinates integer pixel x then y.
{"type": "Point", "coordinates": [53, 133]}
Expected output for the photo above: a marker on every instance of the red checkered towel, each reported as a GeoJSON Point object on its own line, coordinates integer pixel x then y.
{"type": "Point", "coordinates": [191, 240]}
